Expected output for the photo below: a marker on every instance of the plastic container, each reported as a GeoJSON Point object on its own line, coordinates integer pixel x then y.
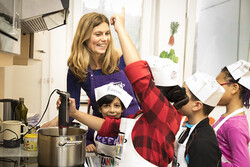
{"type": "Point", "coordinates": [30, 142]}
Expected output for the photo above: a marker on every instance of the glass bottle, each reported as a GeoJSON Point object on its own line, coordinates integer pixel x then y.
{"type": "Point", "coordinates": [21, 111]}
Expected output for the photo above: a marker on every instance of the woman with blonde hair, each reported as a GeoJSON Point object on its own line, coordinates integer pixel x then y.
{"type": "Point", "coordinates": [103, 57]}
{"type": "Point", "coordinates": [94, 62]}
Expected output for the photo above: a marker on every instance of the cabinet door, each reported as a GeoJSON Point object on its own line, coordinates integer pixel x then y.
{"type": "Point", "coordinates": [54, 69]}
{"type": "Point", "coordinates": [25, 51]}
{"type": "Point", "coordinates": [39, 45]}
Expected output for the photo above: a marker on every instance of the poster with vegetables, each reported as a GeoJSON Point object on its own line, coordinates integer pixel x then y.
{"type": "Point", "coordinates": [173, 30]}
{"type": "Point", "coordinates": [171, 54]}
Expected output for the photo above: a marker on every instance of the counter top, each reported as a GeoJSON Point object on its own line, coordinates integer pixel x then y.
{"type": "Point", "coordinates": [22, 157]}
{"type": "Point", "coordinates": [16, 152]}
{"type": "Point", "coordinates": [21, 152]}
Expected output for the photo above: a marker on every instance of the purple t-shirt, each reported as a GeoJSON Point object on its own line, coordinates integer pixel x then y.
{"type": "Point", "coordinates": [233, 138]}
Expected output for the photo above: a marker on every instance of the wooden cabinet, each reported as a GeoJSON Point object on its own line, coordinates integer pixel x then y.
{"type": "Point", "coordinates": [39, 45]}
{"type": "Point", "coordinates": [6, 59]}
{"type": "Point", "coordinates": [33, 46]}
{"type": "Point", "coordinates": [25, 51]}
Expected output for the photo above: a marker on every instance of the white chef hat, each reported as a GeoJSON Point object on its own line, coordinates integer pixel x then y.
{"type": "Point", "coordinates": [205, 88]}
{"type": "Point", "coordinates": [111, 89]}
{"type": "Point", "coordinates": [165, 71]}
{"type": "Point", "coordinates": [241, 69]}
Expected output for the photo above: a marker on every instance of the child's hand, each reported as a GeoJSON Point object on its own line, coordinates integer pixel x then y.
{"type": "Point", "coordinates": [118, 21]}
{"type": "Point", "coordinates": [72, 106]}
{"type": "Point", "coordinates": [91, 148]}
{"type": "Point", "coordinates": [58, 103]}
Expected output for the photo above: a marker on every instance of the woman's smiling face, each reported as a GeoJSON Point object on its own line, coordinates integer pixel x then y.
{"type": "Point", "coordinates": [99, 39]}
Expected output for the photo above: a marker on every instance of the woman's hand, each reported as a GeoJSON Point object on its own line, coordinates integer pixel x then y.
{"type": "Point", "coordinates": [118, 21]}
{"type": "Point", "coordinates": [52, 123]}
{"type": "Point", "coordinates": [91, 148]}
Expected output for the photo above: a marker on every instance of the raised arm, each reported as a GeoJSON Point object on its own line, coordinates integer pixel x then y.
{"type": "Point", "coordinates": [91, 121]}
{"type": "Point", "coordinates": [128, 48]}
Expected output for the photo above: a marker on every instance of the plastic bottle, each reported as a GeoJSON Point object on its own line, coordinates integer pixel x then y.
{"type": "Point", "coordinates": [21, 111]}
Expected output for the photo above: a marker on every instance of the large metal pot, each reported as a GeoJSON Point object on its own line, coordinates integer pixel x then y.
{"type": "Point", "coordinates": [56, 150]}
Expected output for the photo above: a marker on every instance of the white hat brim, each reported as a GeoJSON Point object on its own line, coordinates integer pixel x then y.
{"type": "Point", "coordinates": [110, 89]}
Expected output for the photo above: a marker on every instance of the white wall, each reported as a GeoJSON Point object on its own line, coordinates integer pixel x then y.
{"type": "Point", "coordinates": [25, 81]}
{"type": "Point", "coordinates": [244, 40]}
{"type": "Point", "coordinates": [190, 39]}
{"type": "Point", "coordinates": [155, 29]}
{"type": "Point", "coordinates": [55, 65]}
{"type": "Point", "coordinates": [242, 45]}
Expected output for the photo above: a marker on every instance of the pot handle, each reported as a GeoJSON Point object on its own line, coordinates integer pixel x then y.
{"type": "Point", "coordinates": [69, 143]}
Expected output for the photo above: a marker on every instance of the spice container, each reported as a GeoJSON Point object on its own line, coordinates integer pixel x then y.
{"type": "Point", "coordinates": [30, 141]}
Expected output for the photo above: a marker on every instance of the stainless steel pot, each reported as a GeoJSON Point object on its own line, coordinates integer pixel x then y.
{"type": "Point", "coordinates": [56, 150]}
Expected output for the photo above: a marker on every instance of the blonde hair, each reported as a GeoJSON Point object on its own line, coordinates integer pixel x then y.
{"type": "Point", "coordinates": [80, 56]}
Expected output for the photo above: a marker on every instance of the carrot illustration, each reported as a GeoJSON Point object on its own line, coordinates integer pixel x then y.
{"type": "Point", "coordinates": [173, 30]}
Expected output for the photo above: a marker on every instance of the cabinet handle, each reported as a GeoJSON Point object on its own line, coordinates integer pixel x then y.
{"type": "Point", "coordinates": [41, 51]}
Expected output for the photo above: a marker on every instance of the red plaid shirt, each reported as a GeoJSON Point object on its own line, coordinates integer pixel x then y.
{"type": "Point", "coordinates": [154, 132]}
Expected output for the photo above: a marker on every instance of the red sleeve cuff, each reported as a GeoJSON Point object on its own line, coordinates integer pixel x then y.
{"type": "Point", "coordinates": [110, 127]}
{"type": "Point", "coordinates": [137, 70]}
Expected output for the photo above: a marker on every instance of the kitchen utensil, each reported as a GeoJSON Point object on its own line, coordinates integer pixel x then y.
{"type": "Point", "coordinates": [12, 132]}
{"type": "Point", "coordinates": [61, 150]}
{"type": "Point", "coordinates": [63, 121]}
{"type": "Point", "coordinates": [7, 112]}
{"type": "Point", "coordinates": [9, 106]}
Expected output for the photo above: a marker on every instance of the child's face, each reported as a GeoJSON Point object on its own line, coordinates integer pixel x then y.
{"type": "Point", "coordinates": [221, 79]}
{"type": "Point", "coordinates": [187, 108]}
{"type": "Point", "coordinates": [113, 109]}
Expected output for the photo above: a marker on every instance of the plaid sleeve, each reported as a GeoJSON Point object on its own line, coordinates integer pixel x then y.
{"type": "Point", "coordinates": [137, 70]}
{"type": "Point", "coordinates": [110, 127]}
{"type": "Point", "coordinates": [153, 102]}
{"type": "Point", "coordinates": [141, 68]}
{"type": "Point", "coordinates": [160, 120]}
{"type": "Point", "coordinates": [139, 75]}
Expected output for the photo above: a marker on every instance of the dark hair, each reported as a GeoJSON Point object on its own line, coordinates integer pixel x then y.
{"type": "Point", "coordinates": [244, 92]}
{"type": "Point", "coordinates": [107, 100]}
{"type": "Point", "coordinates": [206, 108]}
{"type": "Point", "coordinates": [175, 94]}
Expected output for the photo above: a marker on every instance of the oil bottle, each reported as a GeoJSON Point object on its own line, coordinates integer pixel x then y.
{"type": "Point", "coordinates": [21, 111]}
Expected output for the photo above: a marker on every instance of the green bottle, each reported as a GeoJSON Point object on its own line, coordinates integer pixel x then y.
{"type": "Point", "coordinates": [21, 111]}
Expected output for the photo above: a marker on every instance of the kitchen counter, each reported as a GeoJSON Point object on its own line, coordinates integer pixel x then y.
{"type": "Point", "coordinates": [22, 157]}
{"type": "Point", "coordinates": [16, 152]}
{"type": "Point", "coordinates": [17, 157]}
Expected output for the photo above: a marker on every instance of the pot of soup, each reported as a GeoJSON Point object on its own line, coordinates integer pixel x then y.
{"type": "Point", "coordinates": [55, 149]}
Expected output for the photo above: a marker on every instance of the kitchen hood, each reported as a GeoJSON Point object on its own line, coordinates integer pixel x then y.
{"type": "Point", "coordinates": [39, 15]}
